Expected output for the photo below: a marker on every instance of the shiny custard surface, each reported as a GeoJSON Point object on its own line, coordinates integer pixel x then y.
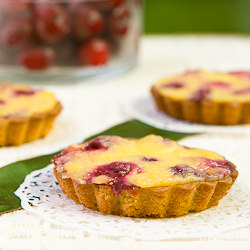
{"type": "Point", "coordinates": [19, 100]}
{"type": "Point", "coordinates": [207, 86]}
{"type": "Point", "coordinates": [151, 161]}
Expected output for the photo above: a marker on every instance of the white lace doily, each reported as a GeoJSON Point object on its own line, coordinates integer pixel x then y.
{"type": "Point", "coordinates": [41, 194]}
{"type": "Point", "coordinates": [143, 109]}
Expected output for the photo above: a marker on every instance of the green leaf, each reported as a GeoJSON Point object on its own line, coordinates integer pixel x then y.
{"type": "Point", "coordinates": [197, 16]}
{"type": "Point", "coordinates": [13, 175]}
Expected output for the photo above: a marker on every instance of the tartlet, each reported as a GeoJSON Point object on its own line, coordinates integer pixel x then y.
{"type": "Point", "coordinates": [205, 97]}
{"type": "Point", "coordinates": [25, 114]}
{"type": "Point", "coordinates": [147, 177]}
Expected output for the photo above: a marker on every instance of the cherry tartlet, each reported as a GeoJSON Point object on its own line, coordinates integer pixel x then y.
{"type": "Point", "coordinates": [204, 97]}
{"type": "Point", "coordinates": [147, 177]}
{"type": "Point", "coordinates": [25, 114]}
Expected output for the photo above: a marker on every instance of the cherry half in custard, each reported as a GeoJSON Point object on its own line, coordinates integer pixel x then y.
{"type": "Point", "coordinates": [220, 85]}
{"type": "Point", "coordinates": [174, 85]}
{"type": "Point", "coordinates": [218, 164]}
{"type": "Point", "coordinates": [99, 143]}
{"type": "Point", "coordinates": [95, 144]}
{"type": "Point", "coordinates": [200, 95]}
{"type": "Point", "coordinates": [183, 170]}
{"type": "Point", "coordinates": [23, 92]}
{"type": "Point", "coordinates": [65, 156]}
{"type": "Point", "coordinates": [117, 173]}
{"type": "Point", "coordinates": [149, 159]}
{"type": "Point", "coordinates": [221, 168]}
{"type": "Point", "coordinates": [242, 91]}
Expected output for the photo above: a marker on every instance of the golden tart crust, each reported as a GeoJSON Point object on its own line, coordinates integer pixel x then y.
{"type": "Point", "coordinates": [148, 202]}
{"type": "Point", "coordinates": [16, 129]}
{"type": "Point", "coordinates": [232, 109]}
{"type": "Point", "coordinates": [136, 201]}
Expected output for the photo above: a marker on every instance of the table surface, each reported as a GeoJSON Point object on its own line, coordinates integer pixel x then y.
{"type": "Point", "coordinates": [159, 56]}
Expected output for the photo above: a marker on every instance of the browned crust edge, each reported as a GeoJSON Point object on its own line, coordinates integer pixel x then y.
{"type": "Point", "coordinates": [206, 112]}
{"type": "Point", "coordinates": [158, 202]}
{"type": "Point", "coordinates": [18, 130]}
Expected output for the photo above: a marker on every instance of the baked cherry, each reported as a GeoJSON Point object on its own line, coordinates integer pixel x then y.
{"type": "Point", "coordinates": [221, 85]}
{"type": "Point", "coordinates": [183, 169]}
{"type": "Point", "coordinates": [37, 58]}
{"type": "Point", "coordinates": [95, 52]}
{"type": "Point", "coordinates": [242, 91]}
{"type": "Point", "coordinates": [200, 95]}
{"type": "Point", "coordinates": [88, 22]}
{"type": "Point", "coordinates": [2, 102]}
{"type": "Point", "coordinates": [66, 155]}
{"type": "Point", "coordinates": [16, 32]}
{"type": "Point", "coordinates": [149, 159]}
{"type": "Point", "coordinates": [174, 85]}
{"type": "Point", "coordinates": [95, 144]}
{"type": "Point", "coordinates": [52, 22]}
{"type": "Point", "coordinates": [117, 171]}
{"type": "Point", "coordinates": [24, 92]}
{"type": "Point", "coordinates": [119, 20]}
{"type": "Point", "coordinates": [221, 167]}
{"type": "Point", "coordinates": [219, 164]}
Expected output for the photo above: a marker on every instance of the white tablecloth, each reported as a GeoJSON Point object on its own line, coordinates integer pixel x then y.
{"type": "Point", "coordinates": [100, 109]}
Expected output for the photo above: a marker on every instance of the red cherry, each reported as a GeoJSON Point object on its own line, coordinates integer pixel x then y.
{"type": "Point", "coordinates": [74, 5]}
{"type": "Point", "coordinates": [95, 52]}
{"type": "Point", "coordinates": [51, 22]}
{"type": "Point", "coordinates": [87, 23]}
{"type": "Point", "coordinates": [117, 2]}
{"type": "Point", "coordinates": [105, 5]}
{"type": "Point", "coordinates": [38, 58]}
{"type": "Point", "coordinates": [16, 32]}
{"type": "Point", "coordinates": [119, 20]}
{"type": "Point", "coordinates": [12, 6]}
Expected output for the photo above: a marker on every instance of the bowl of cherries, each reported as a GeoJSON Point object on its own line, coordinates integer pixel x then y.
{"type": "Point", "coordinates": [50, 39]}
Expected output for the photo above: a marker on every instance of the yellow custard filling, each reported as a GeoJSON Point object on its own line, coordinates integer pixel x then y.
{"type": "Point", "coordinates": [20, 100]}
{"type": "Point", "coordinates": [147, 162]}
{"type": "Point", "coordinates": [201, 85]}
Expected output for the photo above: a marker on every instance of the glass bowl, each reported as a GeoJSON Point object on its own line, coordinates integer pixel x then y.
{"type": "Point", "coordinates": [68, 39]}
